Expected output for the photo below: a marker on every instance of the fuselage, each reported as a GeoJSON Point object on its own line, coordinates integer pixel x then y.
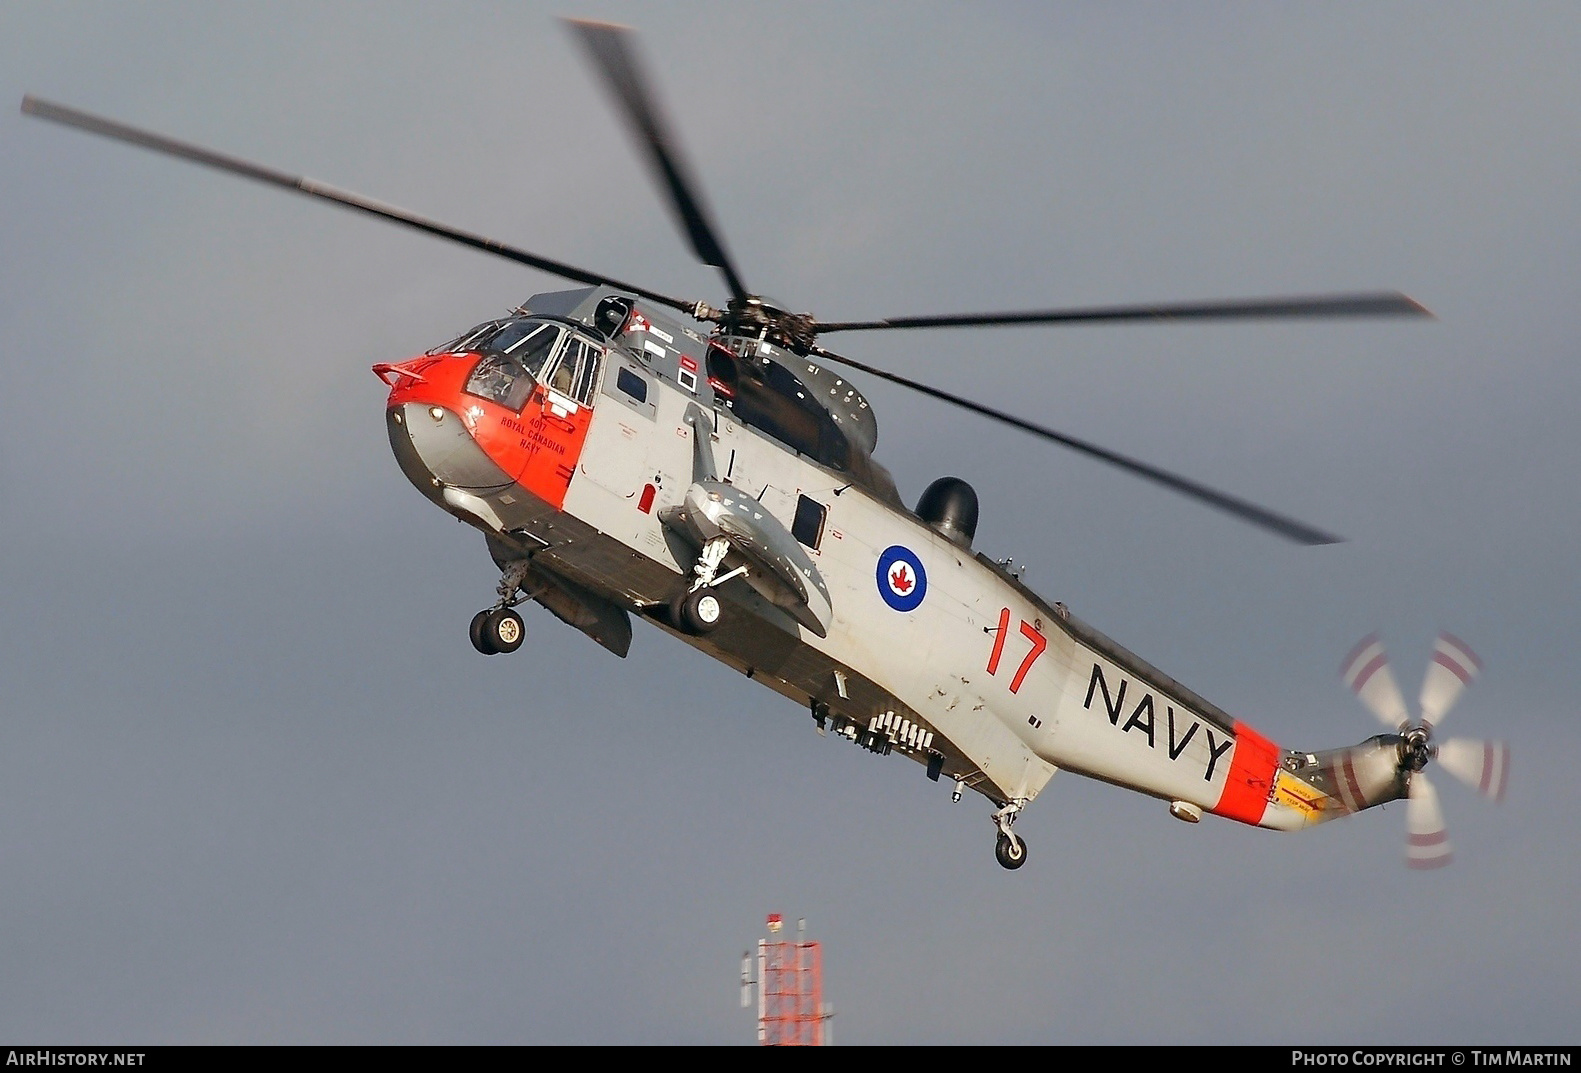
{"type": "Point", "coordinates": [570, 459]}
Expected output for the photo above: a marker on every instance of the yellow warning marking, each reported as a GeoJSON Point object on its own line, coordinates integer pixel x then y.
{"type": "Point", "coordinates": [1303, 797]}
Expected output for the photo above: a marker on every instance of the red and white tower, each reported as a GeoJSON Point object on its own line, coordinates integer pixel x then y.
{"type": "Point", "coordinates": [789, 983]}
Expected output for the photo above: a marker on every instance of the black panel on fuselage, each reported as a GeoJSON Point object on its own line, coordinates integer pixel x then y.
{"type": "Point", "coordinates": [767, 396]}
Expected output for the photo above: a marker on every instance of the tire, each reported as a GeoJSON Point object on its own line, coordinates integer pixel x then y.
{"type": "Point", "coordinates": [697, 612]}
{"type": "Point", "coordinates": [503, 630]}
{"type": "Point", "coordinates": [1011, 852]}
{"type": "Point", "coordinates": [478, 636]}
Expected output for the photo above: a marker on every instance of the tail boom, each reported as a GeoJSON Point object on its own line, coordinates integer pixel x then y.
{"type": "Point", "coordinates": [1288, 791]}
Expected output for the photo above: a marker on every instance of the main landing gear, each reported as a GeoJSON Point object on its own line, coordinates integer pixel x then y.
{"type": "Point", "coordinates": [496, 630]}
{"type": "Point", "coordinates": [697, 610]}
{"type": "Point", "coordinates": [499, 629]}
{"type": "Point", "coordinates": [1010, 849]}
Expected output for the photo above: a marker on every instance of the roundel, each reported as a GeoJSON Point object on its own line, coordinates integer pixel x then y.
{"type": "Point", "coordinates": [902, 581]}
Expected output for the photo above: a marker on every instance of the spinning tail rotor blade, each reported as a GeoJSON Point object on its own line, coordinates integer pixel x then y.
{"type": "Point", "coordinates": [197, 154]}
{"type": "Point", "coordinates": [1427, 845]}
{"type": "Point", "coordinates": [1366, 672]}
{"type": "Point", "coordinates": [1246, 511]}
{"type": "Point", "coordinates": [1454, 666]}
{"type": "Point", "coordinates": [1482, 765]}
{"type": "Point", "coordinates": [613, 51]}
{"type": "Point", "coordinates": [1379, 304]}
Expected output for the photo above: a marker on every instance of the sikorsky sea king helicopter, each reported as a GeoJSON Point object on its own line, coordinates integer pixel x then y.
{"type": "Point", "coordinates": [620, 462]}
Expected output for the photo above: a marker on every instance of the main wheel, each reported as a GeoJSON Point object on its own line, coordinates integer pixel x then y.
{"type": "Point", "coordinates": [697, 612]}
{"type": "Point", "coordinates": [478, 636]}
{"type": "Point", "coordinates": [1011, 851]}
{"type": "Point", "coordinates": [502, 630]}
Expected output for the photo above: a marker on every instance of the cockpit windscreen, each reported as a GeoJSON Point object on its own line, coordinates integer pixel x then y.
{"type": "Point", "coordinates": [513, 355]}
{"type": "Point", "coordinates": [529, 342]}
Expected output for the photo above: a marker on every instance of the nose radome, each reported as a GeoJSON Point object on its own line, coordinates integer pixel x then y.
{"type": "Point", "coordinates": [436, 450]}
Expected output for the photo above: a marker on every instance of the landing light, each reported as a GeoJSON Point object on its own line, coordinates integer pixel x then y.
{"type": "Point", "coordinates": [436, 413]}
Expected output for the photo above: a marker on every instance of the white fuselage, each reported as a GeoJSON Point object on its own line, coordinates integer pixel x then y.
{"type": "Point", "coordinates": [1047, 701]}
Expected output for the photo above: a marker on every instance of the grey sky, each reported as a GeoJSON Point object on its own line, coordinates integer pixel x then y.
{"type": "Point", "coordinates": [256, 787]}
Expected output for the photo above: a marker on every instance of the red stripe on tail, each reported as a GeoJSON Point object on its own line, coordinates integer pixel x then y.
{"type": "Point", "coordinates": [1252, 765]}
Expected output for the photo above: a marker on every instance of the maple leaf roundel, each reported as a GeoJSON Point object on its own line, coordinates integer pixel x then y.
{"type": "Point", "coordinates": [902, 581]}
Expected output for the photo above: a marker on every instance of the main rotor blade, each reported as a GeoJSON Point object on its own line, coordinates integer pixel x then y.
{"type": "Point", "coordinates": [1288, 528]}
{"type": "Point", "coordinates": [71, 117]}
{"type": "Point", "coordinates": [1380, 304]}
{"type": "Point", "coordinates": [613, 51]}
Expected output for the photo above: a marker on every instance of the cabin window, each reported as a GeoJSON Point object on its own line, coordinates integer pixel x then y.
{"type": "Point", "coordinates": [632, 384]}
{"type": "Point", "coordinates": [808, 526]}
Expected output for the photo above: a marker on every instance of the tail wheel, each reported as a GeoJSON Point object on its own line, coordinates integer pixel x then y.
{"type": "Point", "coordinates": [503, 631]}
{"type": "Point", "coordinates": [697, 612]}
{"type": "Point", "coordinates": [1011, 851]}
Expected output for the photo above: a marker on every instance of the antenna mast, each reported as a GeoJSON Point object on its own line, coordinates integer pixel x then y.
{"type": "Point", "coordinates": [789, 985]}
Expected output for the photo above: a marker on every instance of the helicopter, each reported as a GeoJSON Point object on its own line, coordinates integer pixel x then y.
{"type": "Point", "coordinates": [631, 455]}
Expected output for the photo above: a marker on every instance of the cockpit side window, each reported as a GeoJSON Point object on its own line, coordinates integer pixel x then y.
{"type": "Point", "coordinates": [576, 374]}
{"type": "Point", "coordinates": [587, 375]}
{"type": "Point", "coordinates": [563, 378]}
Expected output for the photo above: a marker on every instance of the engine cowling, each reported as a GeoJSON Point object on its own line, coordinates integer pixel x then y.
{"type": "Point", "coordinates": [949, 505]}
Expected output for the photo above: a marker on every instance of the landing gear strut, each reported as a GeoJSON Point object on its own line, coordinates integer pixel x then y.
{"type": "Point", "coordinates": [1010, 849]}
{"type": "Point", "coordinates": [498, 629]}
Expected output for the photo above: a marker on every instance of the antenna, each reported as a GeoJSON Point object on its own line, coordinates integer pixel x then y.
{"type": "Point", "coordinates": [789, 985]}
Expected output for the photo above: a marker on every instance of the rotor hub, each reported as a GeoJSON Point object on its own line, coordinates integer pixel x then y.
{"type": "Point", "coordinates": [1416, 748]}
{"type": "Point", "coordinates": [754, 317]}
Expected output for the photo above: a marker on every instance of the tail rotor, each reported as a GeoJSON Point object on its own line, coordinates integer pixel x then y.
{"type": "Point", "coordinates": [1453, 667]}
{"type": "Point", "coordinates": [1482, 765]}
{"type": "Point", "coordinates": [1427, 839]}
{"type": "Point", "coordinates": [1367, 673]}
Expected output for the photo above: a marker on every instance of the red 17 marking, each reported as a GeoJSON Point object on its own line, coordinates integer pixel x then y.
{"type": "Point", "coordinates": [1039, 643]}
